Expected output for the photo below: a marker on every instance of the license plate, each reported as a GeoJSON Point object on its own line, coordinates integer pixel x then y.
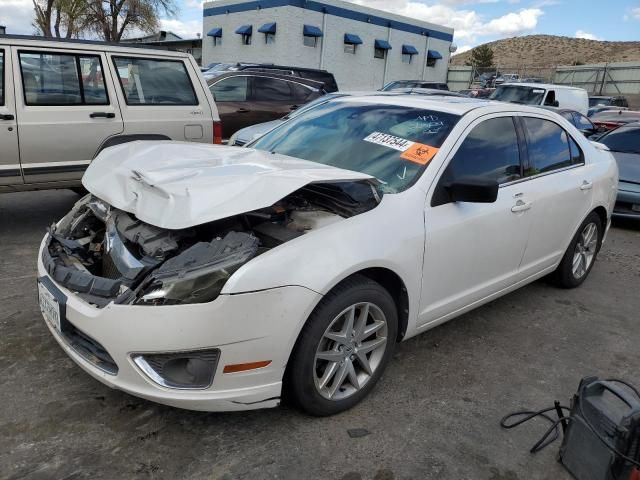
{"type": "Point", "coordinates": [49, 306]}
{"type": "Point", "coordinates": [635, 207]}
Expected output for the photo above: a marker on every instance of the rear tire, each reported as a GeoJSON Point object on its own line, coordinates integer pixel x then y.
{"type": "Point", "coordinates": [343, 348]}
{"type": "Point", "coordinates": [581, 254]}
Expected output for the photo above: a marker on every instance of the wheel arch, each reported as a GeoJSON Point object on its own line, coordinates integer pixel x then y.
{"type": "Point", "coordinates": [120, 139]}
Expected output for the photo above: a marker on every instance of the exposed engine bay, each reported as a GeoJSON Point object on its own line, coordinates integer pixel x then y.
{"type": "Point", "coordinates": [105, 254]}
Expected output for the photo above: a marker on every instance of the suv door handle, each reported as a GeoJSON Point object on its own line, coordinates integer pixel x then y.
{"type": "Point", "coordinates": [586, 185]}
{"type": "Point", "coordinates": [294, 107]}
{"type": "Point", "coordinates": [7, 116]}
{"type": "Point", "coordinates": [521, 206]}
{"type": "Point", "coordinates": [243, 110]}
{"type": "Point", "coordinates": [102, 115]}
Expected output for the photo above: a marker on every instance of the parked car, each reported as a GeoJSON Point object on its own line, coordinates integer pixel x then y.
{"type": "Point", "coordinates": [606, 101]}
{"type": "Point", "coordinates": [532, 80]}
{"type": "Point", "coordinates": [582, 123]}
{"type": "Point", "coordinates": [507, 78]}
{"type": "Point", "coordinates": [245, 98]}
{"type": "Point", "coordinates": [543, 94]}
{"type": "Point", "coordinates": [612, 119]}
{"type": "Point", "coordinates": [327, 78]}
{"type": "Point", "coordinates": [249, 134]}
{"type": "Point", "coordinates": [397, 84]}
{"type": "Point", "coordinates": [220, 278]}
{"type": "Point", "coordinates": [602, 108]}
{"type": "Point", "coordinates": [63, 102]}
{"type": "Point", "coordinates": [487, 79]}
{"type": "Point", "coordinates": [481, 92]}
{"type": "Point", "coordinates": [624, 144]}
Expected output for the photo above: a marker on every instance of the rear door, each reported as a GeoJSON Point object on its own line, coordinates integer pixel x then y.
{"type": "Point", "coordinates": [66, 108]}
{"type": "Point", "coordinates": [560, 185]}
{"type": "Point", "coordinates": [273, 98]}
{"type": "Point", "coordinates": [9, 157]}
{"type": "Point", "coordinates": [162, 97]}
{"type": "Point", "coordinates": [231, 95]}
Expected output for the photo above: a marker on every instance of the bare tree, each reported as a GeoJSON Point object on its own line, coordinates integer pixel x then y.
{"type": "Point", "coordinates": [60, 18]}
{"type": "Point", "coordinates": [111, 19]}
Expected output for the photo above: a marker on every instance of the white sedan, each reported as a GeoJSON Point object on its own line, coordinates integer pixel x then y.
{"type": "Point", "coordinates": [219, 278]}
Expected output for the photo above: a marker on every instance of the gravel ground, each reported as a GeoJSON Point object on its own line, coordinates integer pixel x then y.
{"type": "Point", "coordinates": [434, 414]}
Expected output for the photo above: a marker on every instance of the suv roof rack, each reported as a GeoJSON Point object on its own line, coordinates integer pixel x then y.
{"type": "Point", "coordinates": [80, 41]}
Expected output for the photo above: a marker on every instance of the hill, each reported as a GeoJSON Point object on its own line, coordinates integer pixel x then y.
{"type": "Point", "coordinates": [551, 50]}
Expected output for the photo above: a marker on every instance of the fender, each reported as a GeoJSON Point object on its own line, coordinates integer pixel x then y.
{"type": "Point", "coordinates": [120, 139]}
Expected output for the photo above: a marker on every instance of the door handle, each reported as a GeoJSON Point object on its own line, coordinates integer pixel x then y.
{"type": "Point", "coordinates": [7, 116]}
{"type": "Point", "coordinates": [102, 115]}
{"type": "Point", "coordinates": [294, 107]}
{"type": "Point", "coordinates": [521, 206]}
{"type": "Point", "coordinates": [243, 110]}
{"type": "Point", "coordinates": [586, 185]}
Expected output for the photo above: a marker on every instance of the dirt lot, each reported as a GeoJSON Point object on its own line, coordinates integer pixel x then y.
{"type": "Point", "coordinates": [434, 415]}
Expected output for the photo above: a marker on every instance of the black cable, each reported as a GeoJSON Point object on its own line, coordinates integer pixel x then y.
{"type": "Point", "coordinates": [540, 444]}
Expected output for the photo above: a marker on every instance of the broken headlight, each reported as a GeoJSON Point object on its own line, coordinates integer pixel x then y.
{"type": "Point", "coordinates": [198, 274]}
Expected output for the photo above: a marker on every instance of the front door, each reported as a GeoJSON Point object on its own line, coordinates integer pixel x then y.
{"type": "Point", "coordinates": [231, 95]}
{"type": "Point", "coordinates": [66, 109]}
{"type": "Point", "coordinates": [474, 250]}
{"type": "Point", "coordinates": [9, 156]}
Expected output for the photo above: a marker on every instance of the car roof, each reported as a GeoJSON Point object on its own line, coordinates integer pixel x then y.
{"type": "Point", "coordinates": [540, 85]}
{"type": "Point", "coordinates": [249, 73]}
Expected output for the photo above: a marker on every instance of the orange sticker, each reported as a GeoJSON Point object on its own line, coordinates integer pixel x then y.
{"type": "Point", "coordinates": [419, 153]}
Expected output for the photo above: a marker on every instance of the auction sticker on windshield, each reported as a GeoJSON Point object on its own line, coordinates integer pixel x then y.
{"type": "Point", "coordinates": [390, 141]}
{"type": "Point", "coordinates": [49, 306]}
{"type": "Point", "coordinates": [419, 153]}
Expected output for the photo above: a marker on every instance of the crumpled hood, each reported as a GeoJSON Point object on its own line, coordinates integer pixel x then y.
{"type": "Point", "coordinates": [178, 184]}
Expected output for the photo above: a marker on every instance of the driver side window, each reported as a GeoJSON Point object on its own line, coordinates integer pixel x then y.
{"type": "Point", "coordinates": [231, 89]}
{"type": "Point", "coordinates": [489, 152]}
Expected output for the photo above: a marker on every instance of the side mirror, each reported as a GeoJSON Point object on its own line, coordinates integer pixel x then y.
{"type": "Point", "coordinates": [587, 132]}
{"type": "Point", "coordinates": [556, 103]}
{"type": "Point", "coordinates": [473, 190]}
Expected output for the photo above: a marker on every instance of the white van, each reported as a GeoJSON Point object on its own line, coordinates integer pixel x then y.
{"type": "Point", "coordinates": [63, 101]}
{"type": "Point", "coordinates": [545, 94]}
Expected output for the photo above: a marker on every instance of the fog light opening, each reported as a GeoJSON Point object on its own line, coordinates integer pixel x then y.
{"type": "Point", "coordinates": [180, 370]}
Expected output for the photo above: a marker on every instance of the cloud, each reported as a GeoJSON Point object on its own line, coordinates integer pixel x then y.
{"type": "Point", "coordinates": [634, 13]}
{"type": "Point", "coordinates": [185, 29]}
{"type": "Point", "coordinates": [468, 24]}
{"type": "Point", "coordinates": [586, 35]}
{"type": "Point", "coordinates": [17, 16]}
{"type": "Point", "coordinates": [462, 49]}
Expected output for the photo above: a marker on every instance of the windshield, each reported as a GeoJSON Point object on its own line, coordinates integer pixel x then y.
{"type": "Point", "coordinates": [390, 142]}
{"type": "Point", "coordinates": [623, 139]}
{"type": "Point", "coordinates": [595, 101]}
{"type": "Point", "coordinates": [518, 94]}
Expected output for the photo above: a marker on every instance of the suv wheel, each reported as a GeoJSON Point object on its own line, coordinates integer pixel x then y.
{"type": "Point", "coordinates": [343, 348]}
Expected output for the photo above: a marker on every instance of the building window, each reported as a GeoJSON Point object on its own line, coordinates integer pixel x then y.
{"type": "Point", "coordinates": [269, 38]}
{"type": "Point", "coordinates": [217, 41]}
{"type": "Point", "coordinates": [431, 62]}
{"type": "Point", "coordinates": [246, 39]}
{"type": "Point", "coordinates": [407, 57]}
{"type": "Point", "coordinates": [379, 53]}
{"type": "Point", "coordinates": [349, 48]}
{"type": "Point", "coordinates": [309, 41]}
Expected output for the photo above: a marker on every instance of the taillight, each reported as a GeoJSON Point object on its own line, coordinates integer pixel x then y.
{"type": "Point", "coordinates": [217, 132]}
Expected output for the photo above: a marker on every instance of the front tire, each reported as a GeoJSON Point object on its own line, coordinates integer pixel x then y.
{"type": "Point", "coordinates": [343, 348]}
{"type": "Point", "coordinates": [581, 255]}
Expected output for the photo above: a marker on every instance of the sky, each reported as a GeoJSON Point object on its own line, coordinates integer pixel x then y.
{"type": "Point", "coordinates": [475, 21]}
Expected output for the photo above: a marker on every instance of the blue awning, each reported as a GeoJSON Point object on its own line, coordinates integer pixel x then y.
{"type": "Point", "coordinates": [311, 31]}
{"type": "Point", "coordinates": [352, 39]}
{"type": "Point", "coordinates": [268, 28]}
{"type": "Point", "coordinates": [245, 30]}
{"type": "Point", "coordinates": [383, 45]}
{"type": "Point", "coordinates": [434, 54]}
{"type": "Point", "coordinates": [215, 32]}
{"type": "Point", "coordinates": [409, 50]}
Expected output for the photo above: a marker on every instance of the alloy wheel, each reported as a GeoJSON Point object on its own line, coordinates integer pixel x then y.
{"type": "Point", "coordinates": [585, 250]}
{"type": "Point", "coordinates": [350, 351]}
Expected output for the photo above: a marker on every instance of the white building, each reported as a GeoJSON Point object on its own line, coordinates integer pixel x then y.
{"type": "Point", "coordinates": [364, 48]}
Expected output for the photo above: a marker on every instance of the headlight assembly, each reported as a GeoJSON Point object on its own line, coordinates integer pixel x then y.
{"type": "Point", "coordinates": [198, 274]}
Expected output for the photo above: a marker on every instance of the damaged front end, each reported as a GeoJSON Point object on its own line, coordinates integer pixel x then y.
{"type": "Point", "coordinates": [106, 255]}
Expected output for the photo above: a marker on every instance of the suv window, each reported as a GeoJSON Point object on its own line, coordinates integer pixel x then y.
{"type": "Point", "coordinates": [271, 90]}
{"type": "Point", "coordinates": [623, 139]}
{"type": "Point", "coordinates": [299, 92]}
{"type": "Point", "coordinates": [1, 77]}
{"type": "Point", "coordinates": [62, 79]}
{"type": "Point", "coordinates": [231, 89]}
{"type": "Point", "coordinates": [155, 82]}
{"type": "Point", "coordinates": [582, 122]}
{"type": "Point", "coordinates": [490, 151]}
{"type": "Point", "coordinates": [548, 146]}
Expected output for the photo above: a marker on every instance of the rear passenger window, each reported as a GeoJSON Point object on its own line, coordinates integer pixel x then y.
{"type": "Point", "coordinates": [1, 77]}
{"type": "Point", "coordinates": [548, 146]}
{"type": "Point", "coordinates": [577, 157]}
{"type": "Point", "coordinates": [62, 79]}
{"type": "Point", "coordinates": [155, 82]}
{"type": "Point", "coordinates": [271, 90]}
{"type": "Point", "coordinates": [231, 89]}
{"type": "Point", "coordinates": [299, 92]}
{"type": "Point", "coordinates": [490, 151]}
